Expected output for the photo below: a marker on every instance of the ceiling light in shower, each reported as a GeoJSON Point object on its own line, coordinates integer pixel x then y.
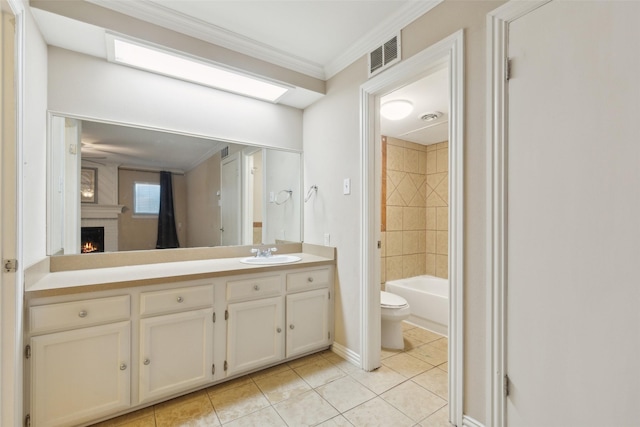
{"type": "Point", "coordinates": [396, 110]}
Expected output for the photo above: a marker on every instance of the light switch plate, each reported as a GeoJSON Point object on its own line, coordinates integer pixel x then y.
{"type": "Point", "coordinates": [346, 186]}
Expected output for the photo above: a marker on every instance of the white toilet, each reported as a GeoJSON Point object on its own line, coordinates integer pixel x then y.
{"type": "Point", "coordinates": [394, 310]}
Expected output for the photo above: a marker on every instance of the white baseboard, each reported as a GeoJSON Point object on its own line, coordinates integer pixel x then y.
{"type": "Point", "coordinates": [346, 354]}
{"type": "Point", "coordinates": [470, 422]}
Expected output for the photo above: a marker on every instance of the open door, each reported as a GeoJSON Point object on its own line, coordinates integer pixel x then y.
{"type": "Point", "coordinates": [230, 201]}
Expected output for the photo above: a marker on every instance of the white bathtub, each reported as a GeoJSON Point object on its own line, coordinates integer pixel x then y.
{"type": "Point", "coordinates": [428, 297]}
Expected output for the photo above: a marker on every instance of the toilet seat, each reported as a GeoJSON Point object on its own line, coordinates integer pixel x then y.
{"type": "Point", "coordinates": [389, 300]}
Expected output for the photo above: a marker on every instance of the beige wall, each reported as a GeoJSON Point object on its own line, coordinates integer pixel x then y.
{"type": "Point", "coordinates": [142, 233]}
{"type": "Point", "coordinates": [339, 215]}
{"type": "Point", "coordinates": [414, 226]}
{"type": "Point", "coordinates": [203, 212]}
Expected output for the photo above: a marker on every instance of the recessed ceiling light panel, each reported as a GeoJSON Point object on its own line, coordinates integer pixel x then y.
{"type": "Point", "coordinates": [151, 58]}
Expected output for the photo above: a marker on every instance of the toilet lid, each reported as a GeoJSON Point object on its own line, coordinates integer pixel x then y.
{"type": "Point", "coordinates": [390, 300]}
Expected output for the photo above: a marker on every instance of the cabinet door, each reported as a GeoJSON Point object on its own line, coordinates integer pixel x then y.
{"type": "Point", "coordinates": [307, 321]}
{"type": "Point", "coordinates": [255, 335]}
{"type": "Point", "coordinates": [80, 375]}
{"type": "Point", "coordinates": [175, 353]}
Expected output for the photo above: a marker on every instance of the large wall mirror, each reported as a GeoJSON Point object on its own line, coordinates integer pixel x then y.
{"type": "Point", "coordinates": [104, 187]}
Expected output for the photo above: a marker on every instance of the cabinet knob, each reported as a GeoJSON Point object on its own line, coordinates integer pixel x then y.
{"type": "Point", "coordinates": [83, 313]}
{"type": "Point", "coordinates": [123, 366]}
{"type": "Point", "coordinates": [146, 361]}
{"type": "Point", "coordinates": [291, 326]}
{"type": "Point", "coordinates": [310, 279]}
{"type": "Point", "coordinates": [180, 299]}
{"type": "Point", "coordinates": [279, 330]}
{"type": "Point", "coordinates": [256, 287]}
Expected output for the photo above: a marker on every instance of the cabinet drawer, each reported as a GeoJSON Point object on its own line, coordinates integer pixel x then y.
{"type": "Point", "coordinates": [172, 300]}
{"type": "Point", "coordinates": [259, 287]}
{"type": "Point", "coordinates": [310, 279]}
{"type": "Point", "coordinates": [69, 315]}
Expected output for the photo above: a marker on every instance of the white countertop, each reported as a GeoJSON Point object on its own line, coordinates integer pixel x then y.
{"type": "Point", "coordinates": [214, 267]}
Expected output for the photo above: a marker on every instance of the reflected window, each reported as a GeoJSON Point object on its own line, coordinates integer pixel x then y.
{"type": "Point", "coordinates": [146, 198]}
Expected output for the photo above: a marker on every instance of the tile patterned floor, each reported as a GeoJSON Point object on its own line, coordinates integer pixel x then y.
{"type": "Point", "coordinates": [409, 389]}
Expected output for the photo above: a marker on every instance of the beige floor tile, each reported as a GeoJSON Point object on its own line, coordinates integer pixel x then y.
{"type": "Point", "coordinates": [377, 412]}
{"type": "Point", "coordinates": [406, 326]}
{"type": "Point", "coordinates": [304, 360]}
{"type": "Point", "coordinates": [422, 335]}
{"type": "Point", "coordinates": [129, 419]}
{"type": "Point", "coordinates": [430, 354]}
{"type": "Point", "coordinates": [306, 409]}
{"type": "Point", "coordinates": [238, 401]}
{"type": "Point", "coordinates": [319, 372]}
{"type": "Point", "coordinates": [435, 381]}
{"type": "Point", "coordinates": [413, 400]}
{"type": "Point", "coordinates": [438, 419]}
{"type": "Point", "coordinates": [267, 417]}
{"type": "Point", "coordinates": [385, 352]}
{"type": "Point", "coordinates": [406, 365]}
{"type": "Point", "coordinates": [194, 409]}
{"type": "Point", "coordinates": [282, 385]}
{"type": "Point", "coordinates": [442, 344]}
{"type": "Point", "coordinates": [149, 421]}
{"type": "Point", "coordinates": [378, 381]}
{"type": "Point", "coordinates": [342, 364]}
{"type": "Point", "coordinates": [338, 421]}
{"type": "Point", "coordinates": [231, 384]}
{"type": "Point", "coordinates": [270, 371]}
{"type": "Point", "coordinates": [444, 367]}
{"type": "Point", "coordinates": [345, 393]}
{"type": "Point", "coordinates": [411, 342]}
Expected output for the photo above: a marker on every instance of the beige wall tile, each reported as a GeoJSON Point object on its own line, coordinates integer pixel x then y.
{"type": "Point", "coordinates": [422, 264]}
{"type": "Point", "coordinates": [414, 218]}
{"type": "Point", "coordinates": [432, 147]}
{"type": "Point", "coordinates": [442, 189]}
{"type": "Point", "coordinates": [411, 161]}
{"type": "Point", "coordinates": [395, 157]}
{"type": "Point", "coordinates": [394, 243]}
{"type": "Point", "coordinates": [394, 218]}
{"type": "Point", "coordinates": [442, 160]}
{"type": "Point", "coordinates": [409, 265]}
{"type": "Point", "coordinates": [442, 242]}
{"type": "Point", "coordinates": [442, 266]}
{"type": "Point", "coordinates": [409, 242]}
{"type": "Point", "coordinates": [434, 200]}
{"type": "Point", "coordinates": [395, 199]}
{"type": "Point", "coordinates": [431, 218]}
{"type": "Point", "coordinates": [422, 241]}
{"type": "Point", "coordinates": [394, 268]}
{"type": "Point", "coordinates": [430, 241]}
{"type": "Point", "coordinates": [422, 162]}
{"type": "Point", "coordinates": [442, 218]}
{"type": "Point", "coordinates": [432, 162]}
{"type": "Point", "coordinates": [407, 189]}
{"type": "Point", "coordinates": [430, 264]}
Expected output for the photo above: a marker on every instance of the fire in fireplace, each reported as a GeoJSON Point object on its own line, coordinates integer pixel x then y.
{"type": "Point", "coordinates": [91, 239]}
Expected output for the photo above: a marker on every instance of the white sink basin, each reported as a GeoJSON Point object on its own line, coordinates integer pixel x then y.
{"type": "Point", "coordinates": [274, 259]}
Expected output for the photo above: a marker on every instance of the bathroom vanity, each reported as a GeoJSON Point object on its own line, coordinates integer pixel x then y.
{"type": "Point", "coordinates": [105, 341]}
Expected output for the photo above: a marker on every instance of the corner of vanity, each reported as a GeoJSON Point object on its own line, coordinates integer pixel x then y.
{"type": "Point", "coordinates": [143, 328]}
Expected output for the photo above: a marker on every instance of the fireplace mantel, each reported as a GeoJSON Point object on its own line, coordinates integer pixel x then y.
{"type": "Point", "coordinates": [90, 211]}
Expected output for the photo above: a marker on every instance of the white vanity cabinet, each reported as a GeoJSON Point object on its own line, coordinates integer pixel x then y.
{"type": "Point", "coordinates": [308, 311]}
{"type": "Point", "coordinates": [81, 372]}
{"type": "Point", "coordinates": [176, 342]}
{"type": "Point", "coordinates": [255, 323]}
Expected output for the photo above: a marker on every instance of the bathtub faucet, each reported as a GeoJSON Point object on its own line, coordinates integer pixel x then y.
{"type": "Point", "coordinates": [263, 253]}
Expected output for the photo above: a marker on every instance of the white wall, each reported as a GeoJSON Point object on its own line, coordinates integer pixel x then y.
{"type": "Point", "coordinates": [92, 87]}
{"type": "Point", "coordinates": [34, 148]}
{"type": "Point", "coordinates": [282, 222]}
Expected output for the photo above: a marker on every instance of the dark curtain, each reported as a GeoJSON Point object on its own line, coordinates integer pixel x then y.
{"type": "Point", "coordinates": [167, 235]}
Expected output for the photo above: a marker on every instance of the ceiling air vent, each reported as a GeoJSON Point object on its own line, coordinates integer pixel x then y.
{"type": "Point", "coordinates": [224, 153]}
{"type": "Point", "coordinates": [384, 56]}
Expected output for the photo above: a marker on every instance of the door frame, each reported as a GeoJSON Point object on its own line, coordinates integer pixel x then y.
{"type": "Point", "coordinates": [497, 130]}
{"type": "Point", "coordinates": [448, 51]}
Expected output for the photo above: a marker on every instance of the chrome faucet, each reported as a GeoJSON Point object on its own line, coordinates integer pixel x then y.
{"type": "Point", "coordinates": [263, 253]}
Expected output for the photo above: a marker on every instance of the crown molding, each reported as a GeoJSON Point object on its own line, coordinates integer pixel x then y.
{"type": "Point", "coordinates": [380, 34]}
{"type": "Point", "coordinates": [168, 18]}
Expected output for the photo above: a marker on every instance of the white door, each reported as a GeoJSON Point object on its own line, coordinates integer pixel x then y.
{"type": "Point", "coordinates": [573, 216]}
{"type": "Point", "coordinates": [80, 375]}
{"type": "Point", "coordinates": [307, 321]}
{"type": "Point", "coordinates": [230, 201]}
{"type": "Point", "coordinates": [255, 334]}
{"type": "Point", "coordinates": [176, 353]}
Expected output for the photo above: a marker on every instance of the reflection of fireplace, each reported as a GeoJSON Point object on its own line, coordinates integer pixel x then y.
{"type": "Point", "coordinates": [91, 239]}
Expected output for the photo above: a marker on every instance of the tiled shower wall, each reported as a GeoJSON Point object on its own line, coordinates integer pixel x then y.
{"type": "Point", "coordinates": [415, 211]}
